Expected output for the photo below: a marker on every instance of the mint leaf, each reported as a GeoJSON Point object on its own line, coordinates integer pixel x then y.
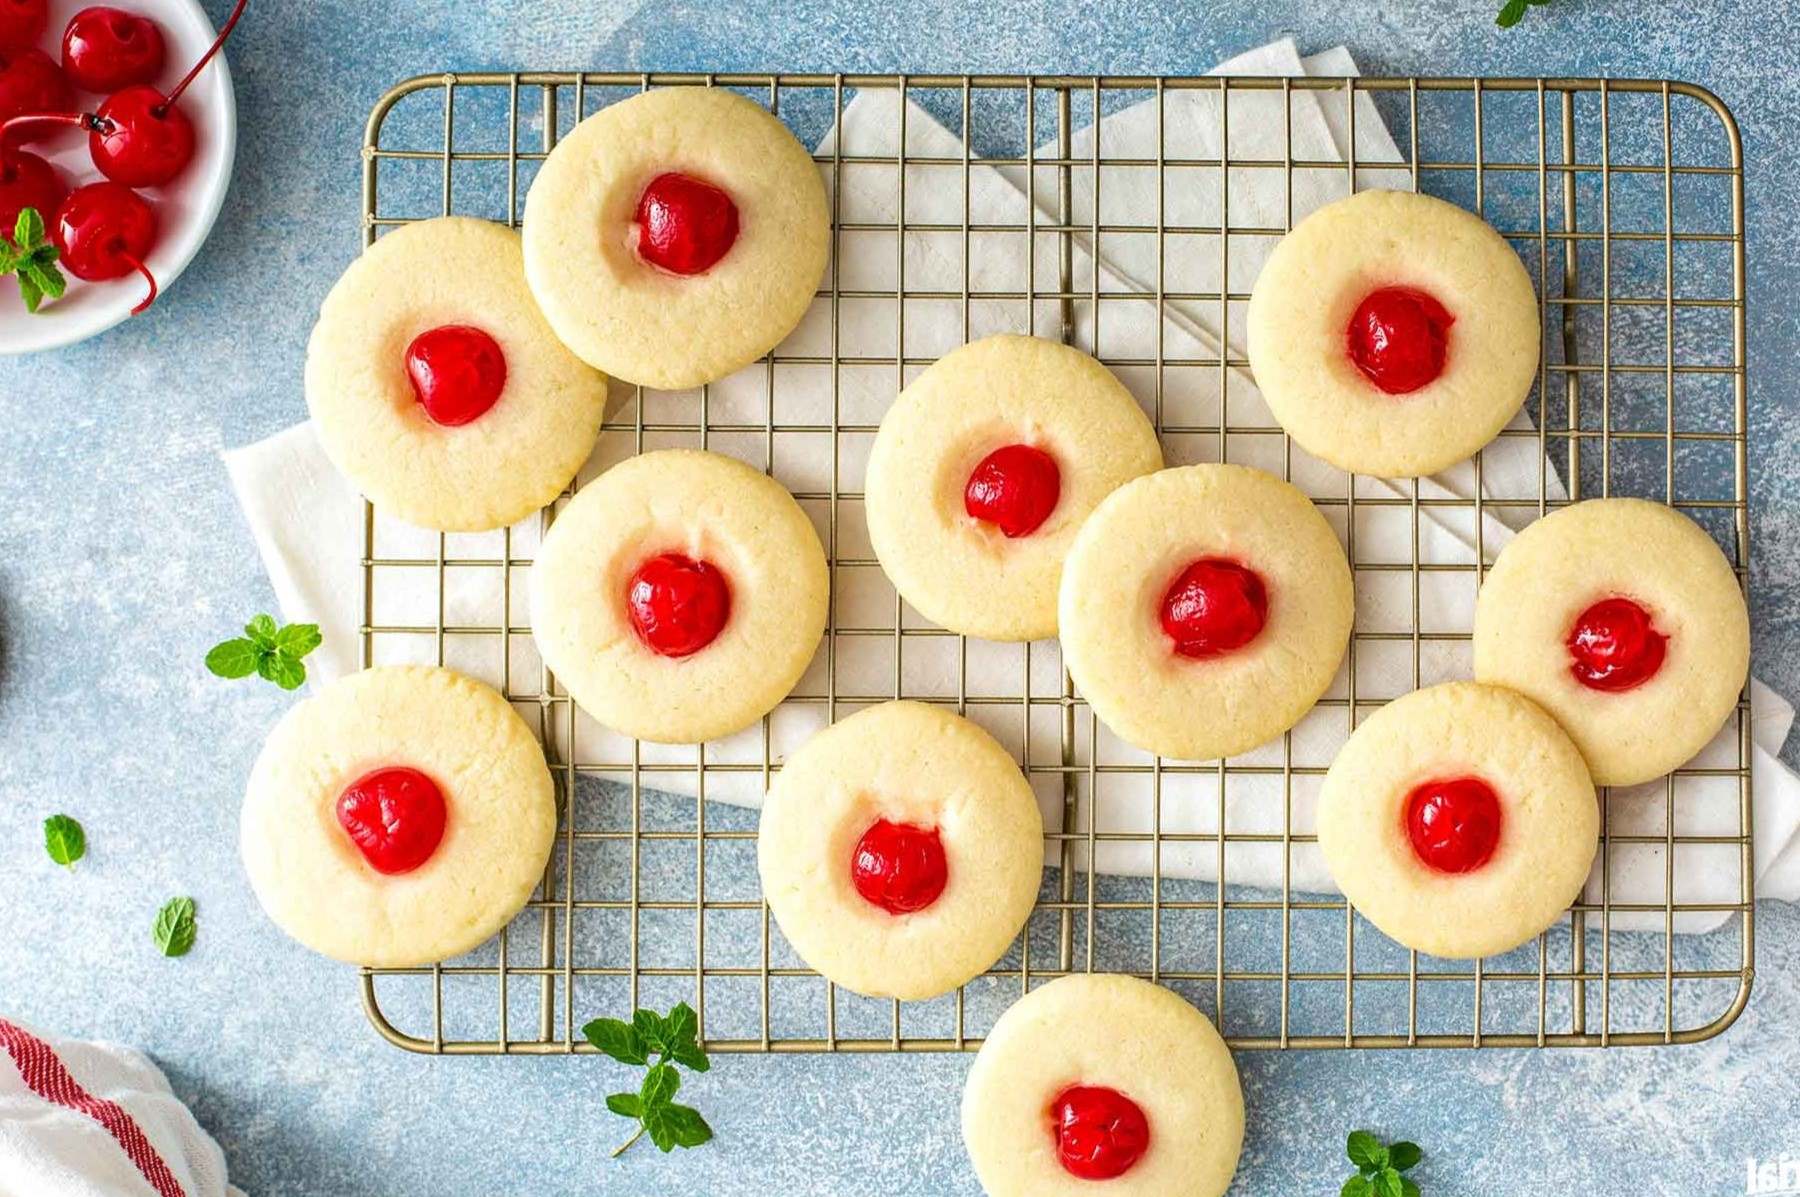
{"type": "Point", "coordinates": [64, 840]}
{"type": "Point", "coordinates": [1408, 1188]}
{"type": "Point", "coordinates": [670, 1040]}
{"type": "Point", "coordinates": [1404, 1155]}
{"type": "Point", "coordinates": [1357, 1186]}
{"type": "Point", "coordinates": [174, 929]}
{"type": "Point", "coordinates": [30, 292]}
{"type": "Point", "coordinates": [660, 1086]}
{"type": "Point", "coordinates": [298, 639]}
{"type": "Point", "coordinates": [686, 1126]}
{"type": "Point", "coordinates": [1364, 1149]}
{"type": "Point", "coordinates": [28, 230]}
{"type": "Point", "coordinates": [619, 1040]}
{"type": "Point", "coordinates": [262, 630]}
{"type": "Point", "coordinates": [281, 669]}
{"type": "Point", "coordinates": [649, 1025]}
{"type": "Point", "coordinates": [1386, 1184]}
{"type": "Point", "coordinates": [233, 658]}
{"type": "Point", "coordinates": [47, 278]}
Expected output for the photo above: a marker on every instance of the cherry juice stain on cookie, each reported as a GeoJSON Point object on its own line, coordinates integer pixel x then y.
{"type": "Point", "coordinates": [678, 605]}
{"type": "Point", "coordinates": [457, 373]}
{"type": "Point", "coordinates": [685, 225]}
{"type": "Point", "coordinates": [1014, 488]}
{"type": "Point", "coordinates": [899, 867]}
{"type": "Point", "coordinates": [1399, 338]}
{"type": "Point", "coordinates": [395, 816]}
{"type": "Point", "coordinates": [1214, 606]}
{"type": "Point", "coordinates": [1454, 825]}
{"type": "Point", "coordinates": [1613, 646]}
{"type": "Point", "coordinates": [1100, 1133]}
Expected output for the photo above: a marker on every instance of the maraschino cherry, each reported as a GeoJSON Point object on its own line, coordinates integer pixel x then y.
{"type": "Point", "coordinates": [105, 231]}
{"type": "Point", "coordinates": [1454, 825]}
{"type": "Point", "coordinates": [30, 82]}
{"type": "Point", "coordinates": [27, 181]}
{"type": "Point", "coordinates": [899, 867]}
{"type": "Point", "coordinates": [105, 49]}
{"type": "Point", "coordinates": [1399, 338]}
{"type": "Point", "coordinates": [1014, 488]}
{"type": "Point", "coordinates": [138, 136]}
{"type": "Point", "coordinates": [1613, 646]}
{"type": "Point", "coordinates": [685, 225]}
{"type": "Point", "coordinates": [1213, 607]}
{"type": "Point", "coordinates": [1100, 1133]}
{"type": "Point", "coordinates": [395, 816]}
{"type": "Point", "coordinates": [457, 373]}
{"type": "Point", "coordinates": [678, 605]}
{"type": "Point", "coordinates": [22, 22]}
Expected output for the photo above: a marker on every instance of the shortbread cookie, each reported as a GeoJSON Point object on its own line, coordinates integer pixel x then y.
{"type": "Point", "coordinates": [676, 236]}
{"type": "Point", "coordinates": [984, 469]}
{"type": "Point", "coordinates": [1623, 619]}
{"type": "Point", "coordinates": [1459, 819]}
{"type": "Point", "coordinates": [400, 816]}
{"type": "Point", "coordinates": [1204, 610]}
{"type": "Point", "coordinates": [679, 596]}
{"type": "Point", "coordinates": [1103, 1084]}
{"type": "Point", "coordinates": [900, 850]}
{"type": "Point", "coordinates": [1393, 334]}
{"type": "Point", "coordinates": [437, 387]}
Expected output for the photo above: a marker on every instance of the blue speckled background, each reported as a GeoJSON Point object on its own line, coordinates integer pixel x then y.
{"type": "Point", "coordinates": [122, 558]}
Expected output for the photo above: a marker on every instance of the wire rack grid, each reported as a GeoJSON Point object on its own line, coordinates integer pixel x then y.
{"type": "Point", "coordinates": [1624, 198]}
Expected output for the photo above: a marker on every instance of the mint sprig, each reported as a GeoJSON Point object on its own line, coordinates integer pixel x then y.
{"type": "Point", "coordinates": [31, 258]}
{"type": "Point", "coordinates": [64, 840]}
{"type": "Point", "coordinates": [656, 1043]}
{"type": "Point", "coordinates": [175, 927]}
{"type": "Point", "coordinates": [271, 652]}
{"type": "Point", "coordinates": [1379, 1167]}
{"type": "Point", "coordinates": [1513, 11]}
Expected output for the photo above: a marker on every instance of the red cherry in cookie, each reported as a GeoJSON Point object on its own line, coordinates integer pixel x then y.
{"type": "Point", "coordinates": [457, 373]}
{"type": "Point", "coordinates": [22, 22]}
{"type": "Point", "coordinates": [27, 181]}
{"type": "Point", "coordinates": [1454, 825]}
{"type": "Point", "coordinates": [1014, 488]}
{"type": "Point", "coordinates": [899, 867]}
{"type": "Point", "coordinates": [105, 231]}
{"type": "Point", "coordinates": [1213, 607]}
{"type": "Point", "coordinates": [395, 816]}
{"type": "Point", "coordinates": [1613, 646]}
{"type": "Point", "coordinates": [685, 225]}
{"type": "Point", "coordinates": [30, 82]}
{"type": "Point", "coordinates": [678, 605]}
{"type": "Point", "coordinates": [1399, 338]}
{"type": "Point", "coordinates": [105, 49]}
{"type": "Point", "coordinates": [1100, 1133]}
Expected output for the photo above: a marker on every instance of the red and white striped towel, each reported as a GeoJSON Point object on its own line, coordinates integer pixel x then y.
{"type": "Point", "coordinates": [82, 1119]}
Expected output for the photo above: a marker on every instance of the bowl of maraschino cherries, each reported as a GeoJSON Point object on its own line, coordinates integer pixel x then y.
{"type": "Point", "coordinates": [117, 132]}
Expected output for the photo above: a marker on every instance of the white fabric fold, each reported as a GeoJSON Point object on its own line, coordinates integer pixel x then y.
{"type": "Point", "coordinates": [307, 521]}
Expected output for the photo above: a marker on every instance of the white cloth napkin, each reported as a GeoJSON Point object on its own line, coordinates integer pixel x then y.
{"type": "Point", "coordinates": [96, 1120]}
{"type": "Point", "coordinates": [307, 520]}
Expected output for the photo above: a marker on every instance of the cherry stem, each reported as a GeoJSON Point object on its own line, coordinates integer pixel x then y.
{"type": "Point", "coordinates": [224, 32]}
{"type": "Point", "coordinates": [148, 278]}
{"type": "Point", "coordinates": [79, 120]}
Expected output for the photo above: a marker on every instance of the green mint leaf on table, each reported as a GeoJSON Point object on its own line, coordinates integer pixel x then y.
{"type": "Point", "coordinates": [1379, 1167]}
{"type": "Point", "coordinates": [64, 840]}
{"type": "Point", "coordinates": [658, 1043]}
{"type": "Point", "coordinates": [174, 929]}
{"type": "Point", "coordinates": [271, 652]}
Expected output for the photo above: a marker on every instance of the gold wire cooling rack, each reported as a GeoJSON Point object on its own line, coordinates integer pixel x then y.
{"type": "Point", "coordinates": [1624, 197]}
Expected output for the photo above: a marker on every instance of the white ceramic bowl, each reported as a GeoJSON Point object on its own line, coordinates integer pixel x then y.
{"type": "Point", "coordinates": [185, 209]}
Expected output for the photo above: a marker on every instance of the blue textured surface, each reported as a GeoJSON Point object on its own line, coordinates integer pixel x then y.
{"type": "Point", "coordinates": [122, 558]}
